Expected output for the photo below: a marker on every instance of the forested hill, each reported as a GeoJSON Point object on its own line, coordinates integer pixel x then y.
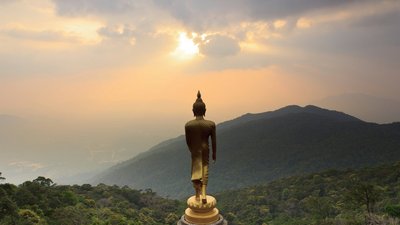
{"type": "Point", "coordinates": [357, 197]}
{"type": "Point", "coordinates": [366, 196]}
{"type": "Point", "coordinates": [257, 148]}
{"type": "Point", "coordinates": [40, 202]}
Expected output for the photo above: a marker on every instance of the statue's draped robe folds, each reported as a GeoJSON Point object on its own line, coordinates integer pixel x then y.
{"type": "Point", "coordinates": [198, 132]}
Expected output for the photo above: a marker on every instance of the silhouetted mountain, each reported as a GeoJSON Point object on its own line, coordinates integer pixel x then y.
{"type": "Point", "coordinates": [285, 111]}
{"type": "Point", "coordinates": [257, 148]}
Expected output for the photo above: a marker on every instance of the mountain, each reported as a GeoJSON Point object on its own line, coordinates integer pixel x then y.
{"type": "Point", "coordinates": [367, 107]}
{"type": "Point", "coordinates": [257, 148]}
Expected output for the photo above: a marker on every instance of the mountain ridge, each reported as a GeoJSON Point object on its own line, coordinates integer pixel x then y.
{"type": "Point", "coordinates": [281, 112]}
{"type": "Point", "coordinates": [262, 147]}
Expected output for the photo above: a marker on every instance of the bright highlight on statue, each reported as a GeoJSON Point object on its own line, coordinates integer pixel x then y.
{"type": "Point", "coordinates": [201, 207]}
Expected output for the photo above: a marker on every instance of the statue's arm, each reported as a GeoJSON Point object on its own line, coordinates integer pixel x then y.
{"type": "Point", "coordinates": [214, 143]}
{"type": "Point", "coordinates": [187, 136]}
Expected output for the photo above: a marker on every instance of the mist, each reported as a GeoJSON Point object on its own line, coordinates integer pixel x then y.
{"type": "Point", "coordinates": [72, 151]}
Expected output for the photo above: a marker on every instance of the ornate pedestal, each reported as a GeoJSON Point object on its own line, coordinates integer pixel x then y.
{"type": "Point", "coordinates": [198, 213]}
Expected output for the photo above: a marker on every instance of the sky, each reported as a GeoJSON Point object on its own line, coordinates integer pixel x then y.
{"type": "Point", "coordinates": [85, 84]}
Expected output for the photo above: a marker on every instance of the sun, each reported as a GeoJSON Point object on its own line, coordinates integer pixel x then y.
{"type": "Point", "coordinates": [186, 48]}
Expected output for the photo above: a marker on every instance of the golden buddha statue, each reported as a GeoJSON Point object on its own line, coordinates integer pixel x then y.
{"type": "Point", "coordinates": [198, 132]}
{"type": "Point", "coordinates": [201, 207]}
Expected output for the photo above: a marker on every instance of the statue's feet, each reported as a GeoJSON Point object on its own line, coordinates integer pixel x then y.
{"type": "Point", "coordinates": [198, 198]}
{"type": "Point", "coordinates": [204, 200]}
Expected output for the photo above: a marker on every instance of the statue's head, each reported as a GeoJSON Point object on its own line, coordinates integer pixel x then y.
{"type": "Point", "coordinates": [199, 108]}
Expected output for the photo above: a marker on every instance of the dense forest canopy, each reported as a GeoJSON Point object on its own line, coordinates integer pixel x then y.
{"type": "Point", "coordinates": [40, 202]}
{"type": "Point", "coordinates": [366, 196]}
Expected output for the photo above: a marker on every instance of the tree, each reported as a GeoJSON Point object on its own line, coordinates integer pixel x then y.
{"type": "Point", "coordinates": [319, 207]}
{"type": "Point", "coordinates": [368, 194]}
{"type": "Point", "coordinates": [1, 178]}
{"type": "Point", "coordinates": [29, 217]}
{"type": "Point", "coordinates": [43, 181]}
{"type": "Point", "coordinates": [71, 215]}
{"type": "Point", "coordinates": [7, 206]}
{"type": "Point", "coordinates": [364, 193]}
{"type": "Point", "coordinates": [171, 219]}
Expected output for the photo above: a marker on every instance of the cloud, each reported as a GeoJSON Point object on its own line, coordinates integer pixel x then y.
{"type": "Point", "coordinates": [3, 2]}
{"type": "Point", "coordinates": [195, 15]}
{"type": "Point", "coordinates": [116, 31]}
{"type": "Point", "coordinates": [278, 24]}
{"type": "Point", "coordinates": [193, 11]}
{"type": "Point", "coordinates": [303, 23]}
{"type": "Point", "coordinates": [87, 7]}
{"type": "Point", "coordinates": [275, 9]}
{"type": "Point", "coordinates": [38, 35]}
{"type": "Point", "coordinates": [202, 15]}
{"type": "Point", "coordinates": [26, 165]}
{"type": "Point", "coordinates": [389, 17]}
{"type": "Point", "coordinates": [128, 32]}
{"type": "Point", "coordinates": [219, 46]}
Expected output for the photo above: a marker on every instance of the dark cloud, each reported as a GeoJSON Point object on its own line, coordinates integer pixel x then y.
{"type": "Point", "coordinates": [275, 9]}
{"type": "Point", "coordinates": [391, 18]}
{"type": "Point", "coordinates": [219, 46]}
{"type": "Point", "coordinates": [85, 7]}
{"type": "Point", "coordinates": [199, 15]}
{"type": "Point", "coordinates": [375, 42]}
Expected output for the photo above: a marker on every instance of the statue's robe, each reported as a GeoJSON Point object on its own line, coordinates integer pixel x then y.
{"type": "Point", "coordinates": [198, 132]}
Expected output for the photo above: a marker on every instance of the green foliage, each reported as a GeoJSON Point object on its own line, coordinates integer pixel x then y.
{"type": "Point", "coordinates": [29, 217]}
{"type": "Point", "coordinates": [393, 210]}
{"type": "Point", "coordinates": [350, 197]}
{"type": "Point", "coordinates": [43, 181]}
{"type": "Point", "coordinates": [40, 202]}
{"type": "Point", "coordinates": [363, 194]}
{"type": "Point", "coordinates": [7, 206]}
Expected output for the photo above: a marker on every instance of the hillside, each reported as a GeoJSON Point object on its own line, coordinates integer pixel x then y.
{"type": "Point", "coordinates": [257, 148]}
{"type": "Point", "coordinates": [366, 196]}
{"type": "Point", "coordinates": [40, 202]}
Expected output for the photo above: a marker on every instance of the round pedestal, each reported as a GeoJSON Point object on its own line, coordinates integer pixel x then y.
{"type": "Point", "coordinates": [199, 213]}
{"type": "Point", "coordinates": [220, 221]}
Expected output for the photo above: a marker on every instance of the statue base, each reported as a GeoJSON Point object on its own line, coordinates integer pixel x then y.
{"type": "Point", "coordinates": [221, 221]}
{"type": "Point", "coordinates": [199, 213]}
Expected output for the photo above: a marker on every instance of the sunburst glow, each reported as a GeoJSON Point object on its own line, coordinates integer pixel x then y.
{"type": "Point", "coordinates": [186, 48]}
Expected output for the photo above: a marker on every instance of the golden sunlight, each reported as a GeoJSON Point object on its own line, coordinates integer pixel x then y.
{"type": "Point", "coordinates": [84, 30]}
{"type": "Point", "coordinates": [186, 48]}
